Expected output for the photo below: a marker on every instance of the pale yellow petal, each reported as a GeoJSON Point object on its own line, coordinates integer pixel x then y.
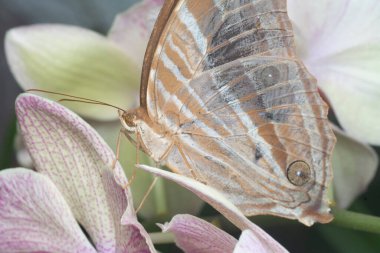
{"type": "Point", "coordinates": [74, 61]}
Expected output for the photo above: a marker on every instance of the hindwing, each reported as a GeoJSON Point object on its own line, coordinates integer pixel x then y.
{"type": "Point", "coordinates": [225, 82]}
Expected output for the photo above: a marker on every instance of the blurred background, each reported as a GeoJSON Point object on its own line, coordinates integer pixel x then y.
{"type": "Point", "coordinates": [98, 15]}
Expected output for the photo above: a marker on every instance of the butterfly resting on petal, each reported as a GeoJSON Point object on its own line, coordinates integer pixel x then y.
{"type": "Point", "coordinates": [225, 100]}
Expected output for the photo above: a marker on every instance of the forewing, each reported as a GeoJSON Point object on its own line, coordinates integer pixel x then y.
{"type": "Point", "coordinates": [226, 83]}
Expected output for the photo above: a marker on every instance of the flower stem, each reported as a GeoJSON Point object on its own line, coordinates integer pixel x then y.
{"type": "Point", "coordinates": [161, 238]}
{"type": "Point", "coordinates": [356, 221]}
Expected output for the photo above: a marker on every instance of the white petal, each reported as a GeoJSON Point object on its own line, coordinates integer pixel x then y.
{"type": "Point", "coordinates": [74, 61]}
{"type": "Point", "coordinates": [131, 29]}
{"type": "Point", "coordinates": [354, 165]}
{"type": "Point", "coordinates": [351, 81]}
{"type": "Point", "coordinates": [34, 216]}
{"type": "Point", "coordinates": [329, 27]}
{"type": "Point", "coordinates": [339, 41]}
{"type": "Point", "coordinates": [78, 161]}
{"type": "Point", "coordinates": [220, 203]}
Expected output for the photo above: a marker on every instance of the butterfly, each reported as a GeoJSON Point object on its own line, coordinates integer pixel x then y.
{"type": "Point", "coordinates": [225, 100]}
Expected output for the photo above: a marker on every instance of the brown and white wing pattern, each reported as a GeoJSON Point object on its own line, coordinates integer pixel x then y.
{"type": "Point", "coordinates": [242, 111]}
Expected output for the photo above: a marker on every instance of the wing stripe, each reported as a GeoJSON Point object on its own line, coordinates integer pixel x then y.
{"type": "Point", "coordinates": [191, 23]}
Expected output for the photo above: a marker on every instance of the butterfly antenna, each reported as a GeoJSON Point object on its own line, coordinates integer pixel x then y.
{"type": "Point", "coordinates": [89, 102]}
{"type": "Point", "coordinates": [75, 98]}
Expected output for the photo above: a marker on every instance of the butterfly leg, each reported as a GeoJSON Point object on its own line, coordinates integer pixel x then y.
{"type": "Point", "coordinates": [129, 182]}
{"type": "Point", "coordinates": [137, 144]}
{"type": "Point", "coordinates": [120, 180]}
{"type": "Point", "coordinates": [188, 165]}
{"type": "Point", "coordinates": [147, 194]}
{"type": "Point", "coordinates": [117, 150]}
{"type": "Point", "coordinates": [124, 184]}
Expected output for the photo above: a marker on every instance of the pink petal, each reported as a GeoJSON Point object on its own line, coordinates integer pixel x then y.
{"type": "Point", "coordinates": [220, 203]}
{"type": "Point", "coordinates": [249, 243]}
{"type": "Point", "coordinates": [131, 29]}
{"type": "Point", "coordinates": [198, 236]}
{"type": "Point", "coordinates": [79, 162]}
{"type": "Point", "coordinates": [34, 216]}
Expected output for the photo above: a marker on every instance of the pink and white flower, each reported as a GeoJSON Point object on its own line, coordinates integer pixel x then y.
{"type": "Point", "coordinates": [40, 211]}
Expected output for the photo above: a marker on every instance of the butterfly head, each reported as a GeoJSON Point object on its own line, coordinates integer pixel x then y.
{"type": "Point", "coordinates": [128, 120]}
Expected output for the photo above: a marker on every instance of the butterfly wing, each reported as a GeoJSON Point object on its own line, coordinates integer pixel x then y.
{"type": "Point", "coordinates": [225, 83]}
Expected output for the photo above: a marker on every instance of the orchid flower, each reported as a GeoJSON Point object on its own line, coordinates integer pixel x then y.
{"type": "Point", "coordinates": [32, 53]}
{"type": "Point", "coordinates": [75, 182]}
{"type": "Point", "coordinates": [39, 211]}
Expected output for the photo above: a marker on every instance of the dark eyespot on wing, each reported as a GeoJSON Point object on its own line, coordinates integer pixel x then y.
{"type": "Point", "coordinates": [298, 173]}
{"type": "Point", "coordinates": [270, 75]}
